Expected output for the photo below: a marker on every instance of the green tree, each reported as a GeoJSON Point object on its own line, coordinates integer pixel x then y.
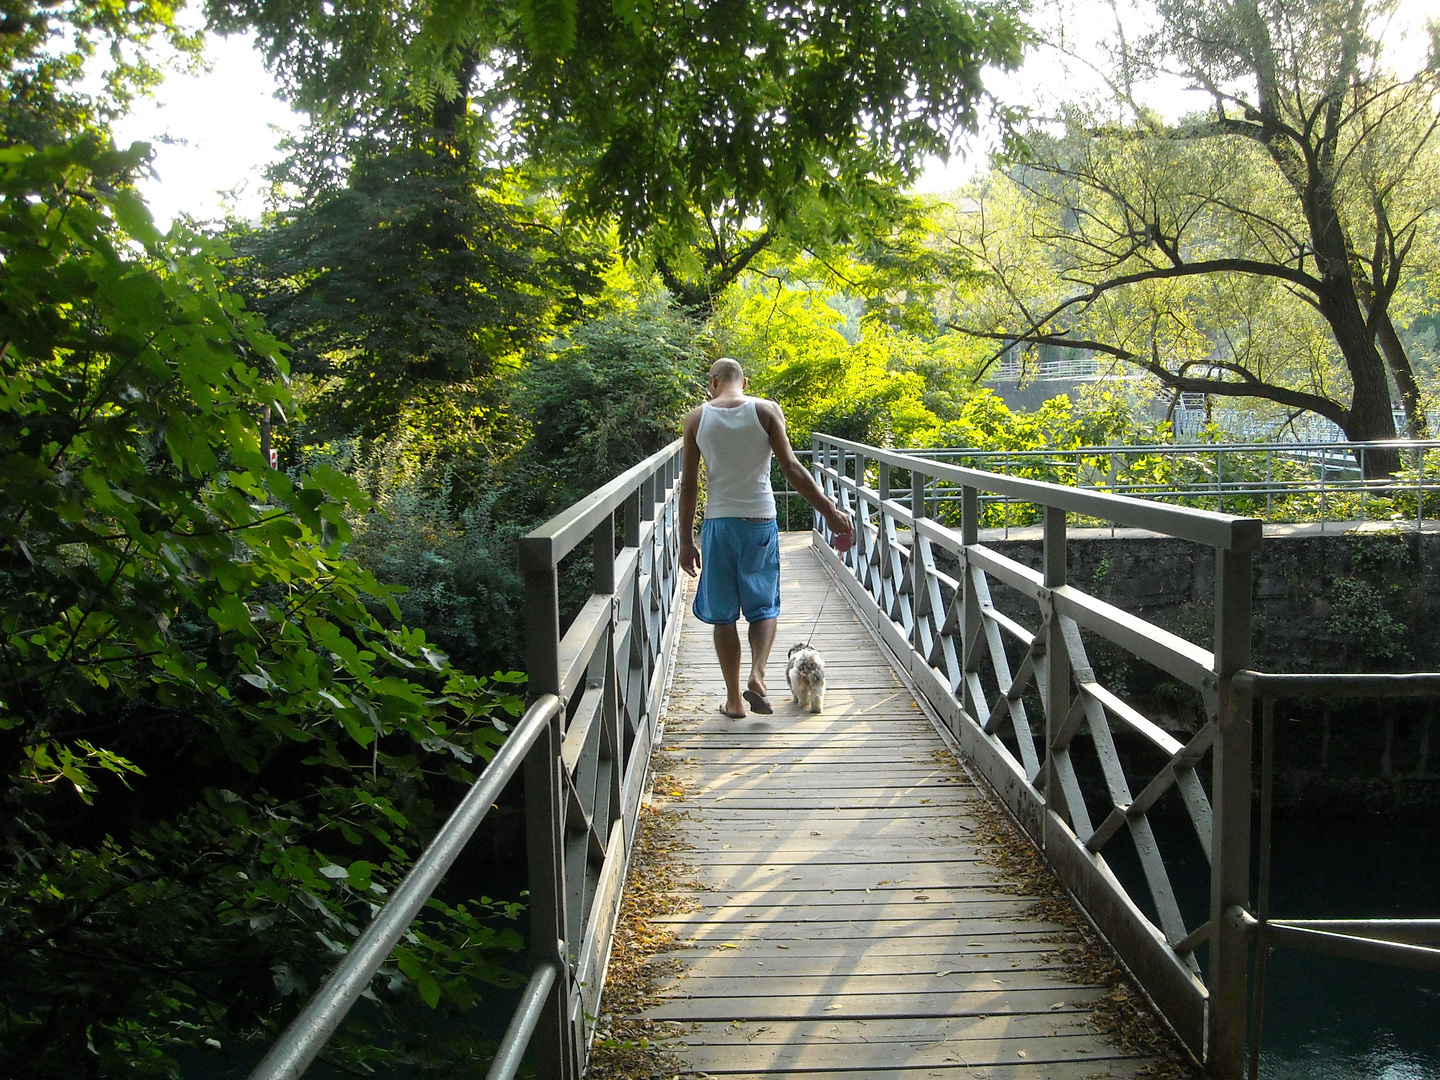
{"type": "Point", "coordinates": [707, 129]}
{"type": "Point", "coordinates": [47, 49]}
{"type": "Point", "coordinates": [1304, 200]}
{"type": "Point", "coordinates": [605, 398]}
{"type": "Point", "coordinates": [420, 285]}
{"type": "Point", "coordinates": [214, 759]}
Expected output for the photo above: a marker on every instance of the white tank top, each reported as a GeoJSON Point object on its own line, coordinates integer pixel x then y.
{"type": "Point", "coordinates": [736, 450]}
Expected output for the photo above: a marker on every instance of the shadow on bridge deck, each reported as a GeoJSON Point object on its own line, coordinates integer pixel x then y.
{"type": "Point", "coordinates": [845, 921]}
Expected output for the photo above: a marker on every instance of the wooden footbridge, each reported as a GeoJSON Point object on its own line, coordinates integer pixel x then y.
{"type": "Point", "coordinates": [843, 921]}
{"type": "Point", "coordinates": [840, 917]}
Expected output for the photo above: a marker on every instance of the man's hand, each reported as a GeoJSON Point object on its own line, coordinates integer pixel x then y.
{"type": "Point", "coordinates": [689, 556]}
{"type": "Point", "coordinates": [839, 523]}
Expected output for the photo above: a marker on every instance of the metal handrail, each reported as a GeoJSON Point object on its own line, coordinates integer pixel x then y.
{"type": "Point", "coordinates": [523, 1024]}
{"type": "Point", "coordinates": [944, 628]}
{"type": "Point", "coordinates": [1408, 943]}
{"type": "Point", "coordinates": [584, 747]}
{"type": "Point", "coordinates": [307, 1034]}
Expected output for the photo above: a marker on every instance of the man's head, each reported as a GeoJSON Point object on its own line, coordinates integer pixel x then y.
{"type": "Point", "coordinates": [726, 374]}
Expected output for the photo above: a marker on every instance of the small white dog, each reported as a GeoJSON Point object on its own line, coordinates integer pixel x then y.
{"type": "Point", "coordinates": [805, 672]}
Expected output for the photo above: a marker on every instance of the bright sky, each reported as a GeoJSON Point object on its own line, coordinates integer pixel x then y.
{"type": "Point", "coordinates": [224, 125]}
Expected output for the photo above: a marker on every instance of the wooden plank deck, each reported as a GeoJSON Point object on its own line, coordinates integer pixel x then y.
{"type": "Point", "coordinates": [844, 922]}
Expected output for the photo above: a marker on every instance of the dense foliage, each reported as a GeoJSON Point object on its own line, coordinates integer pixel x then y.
{"type": "Point", "coordinates": [423, 278]}
{"type": "Point", "coordinates": [215, 758]}
{"type": "Point", "coordinates": [704, 130]}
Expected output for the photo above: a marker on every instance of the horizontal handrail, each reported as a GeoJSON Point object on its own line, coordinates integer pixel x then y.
{"type": "Point", "coordinates": [523, 1024]}
{"type": "Point", "coordinates": [1340, 684]}
{"type": "Point", "coordinates": [1375, 941]}
{"type": "Point", "coordinates": [307, 1034]}
{"type": "Point", "coordinates": [560, 535]}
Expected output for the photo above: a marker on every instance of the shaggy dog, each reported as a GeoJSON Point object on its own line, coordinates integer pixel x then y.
{"type": "Point", "coordinates": [805, 672]}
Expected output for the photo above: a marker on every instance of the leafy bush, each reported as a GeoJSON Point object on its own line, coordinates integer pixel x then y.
{"type": "Point", "coordinates": [215, 759]}
{"type": "Point", "coordinates": [439, 537]}
{"type": "Point", "coordinates": [605, 399]}
{"type": "Point", "coordinates": [1357, 609]}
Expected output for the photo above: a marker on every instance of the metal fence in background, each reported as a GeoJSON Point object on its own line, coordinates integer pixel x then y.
{"type": "Point", "coordinates": [1321, 482]}
{"type": "Point", "coordinates": [584, 748]}
{"type": "Point", "coordinates": [1289, 481]}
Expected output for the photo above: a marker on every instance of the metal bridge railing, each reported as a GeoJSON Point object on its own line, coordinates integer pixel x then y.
{"type": "Point", "coordinates": [1409, 943]}
{"type": "Point", "coordinates": [584, 748]}
{"type": "Point", "coordinates": [960, 649]}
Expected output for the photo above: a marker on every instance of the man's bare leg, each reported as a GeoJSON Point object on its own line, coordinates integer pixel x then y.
{"type": "Point", "coordinates": [727, 650]}
{"type": "Point", "coordinates": [762, 637]}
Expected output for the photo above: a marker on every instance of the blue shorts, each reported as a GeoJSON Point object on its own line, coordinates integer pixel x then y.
{"type": "Point", "coordinates": [739, 571]}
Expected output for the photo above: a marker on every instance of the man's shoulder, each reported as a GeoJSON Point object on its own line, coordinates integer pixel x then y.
{"type": "Point", "coordinates": [692, 418]}
{"type": "Point", "coordinates": [767, 410]}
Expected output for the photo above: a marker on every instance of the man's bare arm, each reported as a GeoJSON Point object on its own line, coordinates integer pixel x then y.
{"type": "Point", "coordinates": [772, 419]}
{"type": "Point", "coordinates": [689, 494]}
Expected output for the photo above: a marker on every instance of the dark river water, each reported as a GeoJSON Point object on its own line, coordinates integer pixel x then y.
{"type": "Point", "coordinates": [1326, 1018]}
{"type": "Point", "coordinates": [1330, 1019]}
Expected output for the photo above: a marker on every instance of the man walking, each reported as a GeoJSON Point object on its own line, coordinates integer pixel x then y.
{"type": "Point", "coordinates": [739, 554]}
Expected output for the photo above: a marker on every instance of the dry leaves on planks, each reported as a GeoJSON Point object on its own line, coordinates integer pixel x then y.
{"type": "Point", "coordinates": [627, 1046]}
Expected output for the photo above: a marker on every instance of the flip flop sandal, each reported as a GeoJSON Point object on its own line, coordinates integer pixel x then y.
{"type": "Point", "coordinates": [758, 702]}
{"type": "Point", "coordinates": [732, 715]}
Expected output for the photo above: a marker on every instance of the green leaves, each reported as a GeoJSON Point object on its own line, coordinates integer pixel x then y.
{"type": "Point", "coordinates": [215, 758]}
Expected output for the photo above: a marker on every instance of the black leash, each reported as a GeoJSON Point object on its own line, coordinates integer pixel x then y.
{"type": "Point", "coordinates": [815, 625]}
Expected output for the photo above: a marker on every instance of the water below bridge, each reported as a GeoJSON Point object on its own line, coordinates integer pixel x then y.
{"type": "Point", "coordinates": [1332, 1019]}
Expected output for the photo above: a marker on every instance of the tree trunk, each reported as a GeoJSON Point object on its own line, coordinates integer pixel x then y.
{"type": "Point", "coordinates": [1369, 417]}
{"type": "Point", "coordinates": [1416, 424]}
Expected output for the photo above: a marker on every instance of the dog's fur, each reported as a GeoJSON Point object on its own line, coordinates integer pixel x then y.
{"type": "Point", "coordinates": [805, 672]}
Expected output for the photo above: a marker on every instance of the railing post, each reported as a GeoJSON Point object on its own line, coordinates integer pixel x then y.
{"type": "Point", "coordinates": [919, 584]}
{"type": "Point", "coordinates": [1055, 677]}
{"type": "Point", "coordinates": [557, 1043]}
{"type": "Point", "coordinates": [1230, 837]}
{"type": "Point", "coordinates": [972, 625]}
{"type": "Point", "coordinates": [605, 556]}
{"type": "Point", "coordinates": [1420, 488]}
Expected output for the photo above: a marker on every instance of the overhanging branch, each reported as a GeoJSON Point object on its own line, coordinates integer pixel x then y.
{"type": "Point", "coordinates": [1244, 385]}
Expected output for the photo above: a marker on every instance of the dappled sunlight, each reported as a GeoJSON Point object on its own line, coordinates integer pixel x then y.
{"type": "Point", "coordinates": [845, 913]}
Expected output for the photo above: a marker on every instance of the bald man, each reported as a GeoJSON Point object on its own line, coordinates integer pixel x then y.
{"type": "Point", "coordinates": [739, 553]}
